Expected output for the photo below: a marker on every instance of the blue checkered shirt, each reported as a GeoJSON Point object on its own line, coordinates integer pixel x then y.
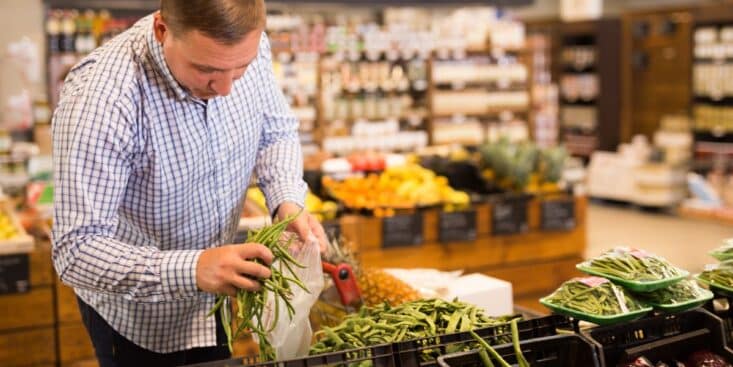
{"type": "Point", "coordinates": [147, 176]}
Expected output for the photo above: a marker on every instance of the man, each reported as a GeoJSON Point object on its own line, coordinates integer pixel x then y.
{"type": "Point", "coordinates": [155, 138]}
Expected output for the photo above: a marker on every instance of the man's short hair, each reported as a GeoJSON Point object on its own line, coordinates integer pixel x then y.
{"type": "Point", "coordinates": [226, 21]}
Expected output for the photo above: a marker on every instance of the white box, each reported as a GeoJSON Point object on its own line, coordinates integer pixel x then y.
{"type": "Point", "coordinates": [493, 295]}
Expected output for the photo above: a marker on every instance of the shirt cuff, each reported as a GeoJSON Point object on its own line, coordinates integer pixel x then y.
{"type": "Point", "coordinates": [278, 196]}
{"type": "Point", "coordinates": [178, 273]}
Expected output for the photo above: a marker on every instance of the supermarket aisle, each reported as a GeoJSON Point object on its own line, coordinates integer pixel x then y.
{"type": "Point", "coordinates": [684, 242]}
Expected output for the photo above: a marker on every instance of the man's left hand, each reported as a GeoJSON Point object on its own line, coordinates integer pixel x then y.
{"type": "Point", "coordinates": [307, 227]}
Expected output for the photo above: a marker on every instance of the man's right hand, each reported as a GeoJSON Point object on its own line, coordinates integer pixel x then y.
{"type": "Point", "coordinates": [223, 270]}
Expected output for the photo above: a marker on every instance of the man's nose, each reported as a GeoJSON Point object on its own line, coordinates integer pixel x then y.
{"type": "Point", "coordinates": [223, 84]}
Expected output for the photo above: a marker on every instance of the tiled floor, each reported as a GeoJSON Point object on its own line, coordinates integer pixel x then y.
{"type": "Point", "coordinates": [684, 242]}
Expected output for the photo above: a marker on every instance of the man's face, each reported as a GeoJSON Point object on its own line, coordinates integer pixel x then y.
{"type": "Point", "coordinates": [203, 66]}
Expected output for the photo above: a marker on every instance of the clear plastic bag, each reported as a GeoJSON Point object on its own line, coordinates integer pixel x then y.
{"type": "Point", "coordinates": [291, 338]}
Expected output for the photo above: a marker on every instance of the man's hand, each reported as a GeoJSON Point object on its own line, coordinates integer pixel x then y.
{"type": "Point", "coordinates": [305, 226]}
{"type": "Point", "coordinates": [223, 270]}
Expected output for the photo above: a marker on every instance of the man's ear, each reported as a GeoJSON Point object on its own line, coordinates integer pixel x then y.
{"type": "Point", "coordinates": [160, 28]}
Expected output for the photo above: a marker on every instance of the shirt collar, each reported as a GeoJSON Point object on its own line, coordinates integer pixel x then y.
{"type": "Point", "coordinates": [159, 63]}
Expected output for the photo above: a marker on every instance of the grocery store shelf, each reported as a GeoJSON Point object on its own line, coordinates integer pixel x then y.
{"type": "Point", "coordinates": [493, 111]}
{"type": "Point", "coordinates": [578, 102]}
{"type": "Point", "coordinates": [724, 101]}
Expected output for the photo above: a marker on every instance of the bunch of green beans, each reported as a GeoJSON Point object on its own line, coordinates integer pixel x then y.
{"type": "Point", "coordinates": [685, 290]}
{"type": "Point", "coordinates": [486, 352]}
{"type": "Point", "coordinates": [251, 305]}
{"type": "Point", "coordinates": [624, 265]}
{"type": "Point", "coordinates": [412, 320]}
{"type": "Point", "coordinates": [722, 276]}
{"type": "Point", "coordinates": [601, 300]}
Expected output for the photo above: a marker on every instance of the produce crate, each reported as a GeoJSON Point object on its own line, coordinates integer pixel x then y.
{"type": "Point", "coordinates": [422, 352]}
{"type": "Point", "coordinates": [552, 351]}
{"type": "Point", "coordinates": [375, 356]}
{"type": "Point", "coordinates": [721, 307]}
{"type": "Point", "coordinates": [660, 337]}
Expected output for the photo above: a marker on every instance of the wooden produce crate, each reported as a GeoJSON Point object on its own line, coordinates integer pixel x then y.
{"type": "Point", "coordinates": [535, 261]}
{"type": "Point", "coordinates": [27, 320]}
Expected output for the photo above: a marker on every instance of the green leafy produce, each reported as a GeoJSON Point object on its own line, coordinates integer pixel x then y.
{"type": "Point", "coordinates": [594, 296]}
{"type": "Point", "coordinates": [634, 265]}
{"type": "Point", "coordinates": [684, 291]}
{"type": "Point", "coordinates": [251, 305]}
{"type": "Point", "coordinates": [411, 320]}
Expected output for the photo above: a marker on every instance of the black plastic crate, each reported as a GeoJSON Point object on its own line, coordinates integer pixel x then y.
{"type": "Point", "coordinates": [722, 306]}
{"type": "Point", "coordinates": [424, 352]}
{"type": "Point", "coordinates": [552, 351]}
{"type": "Point", "coordinates": [375, 356]}
{"type": "Point", "coordinates": [663, 337]}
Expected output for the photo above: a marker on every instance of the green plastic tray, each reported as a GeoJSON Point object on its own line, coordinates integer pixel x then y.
{"type": "Point", "coordinates": [721, 256]}
{"type": "Point", "coordinates": [634, 285]}
{"type": "Point", "coordinates": [716, 288]}
{"type": "Point", "coordinates": [597, 319]}
{"type": "Point", "coordinates": [683, 306]}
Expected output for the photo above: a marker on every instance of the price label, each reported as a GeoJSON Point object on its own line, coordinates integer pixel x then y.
{"type": "Point", "coordinates": [14, 274]}
{"type": "Point", "coordinates": [457, 226]}
{"type": "Point", "coordinates": [509, 217]}
{"type": "Point", "coordinates": [558, 215]}
{"type": "Point", "coordinates": [402, 230]}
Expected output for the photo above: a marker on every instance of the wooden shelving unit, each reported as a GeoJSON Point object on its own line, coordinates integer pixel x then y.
{"type": "Point", "coordinates": [712, 105]}
{"type": "Point", "coordinates": [604, 37]}
{"type": "Point", "coordinates": [657, 44]}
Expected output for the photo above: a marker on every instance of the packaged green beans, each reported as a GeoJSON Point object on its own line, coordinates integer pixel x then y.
{"type": "Point", "coordinates": [596, 300]}
{"type": "Point", "coordinates": [724, 252]}
{"type": "Point", "coordinates": [677, 297]}
{"type": "Point", "coordinates": [635, 269]}
{"type": "Point", "coordinates": [719, 277]}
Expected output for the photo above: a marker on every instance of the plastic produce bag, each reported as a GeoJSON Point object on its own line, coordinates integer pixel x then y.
{"type": "Point", "coordinates": [291, 338]}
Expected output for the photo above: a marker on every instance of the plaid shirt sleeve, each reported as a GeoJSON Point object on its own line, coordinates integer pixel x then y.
{"type": "Point", "coordinates": [95, 149]}
{"type": "Point", "coordinates": [279, 159]}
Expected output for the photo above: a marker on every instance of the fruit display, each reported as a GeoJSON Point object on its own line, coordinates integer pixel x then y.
{"type": "Point", "coordinates": [321, 209]}
{"type": "Point", "coordinates": [400, 187]}
{"type": "Point", "coordinates": [523, 167]}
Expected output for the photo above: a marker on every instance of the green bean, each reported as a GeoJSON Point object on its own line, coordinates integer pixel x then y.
{"type": "Point", "coordinates": [251, 305]}
{"type": "Point", "coordinates": [517, 348]}
{"type": "Point", "coordinates": [485, 358]}
{"type": "Point", "coordinates": [490, 350]}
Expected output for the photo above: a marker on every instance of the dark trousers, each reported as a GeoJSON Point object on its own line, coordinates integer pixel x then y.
{"type": "Point", "coordinates": [114, 350]}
